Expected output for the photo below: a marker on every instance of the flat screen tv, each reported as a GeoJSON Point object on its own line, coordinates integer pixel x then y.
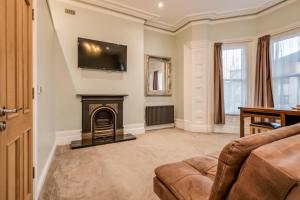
{"type": "Point", "coordinates": [101, 55]}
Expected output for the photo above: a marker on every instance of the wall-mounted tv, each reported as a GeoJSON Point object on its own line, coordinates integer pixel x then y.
{"type": "Point", "coordinates": [94, 54]}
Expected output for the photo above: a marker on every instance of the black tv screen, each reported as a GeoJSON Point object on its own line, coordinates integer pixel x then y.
{"type": "Point", "coordinates": [101, 55]}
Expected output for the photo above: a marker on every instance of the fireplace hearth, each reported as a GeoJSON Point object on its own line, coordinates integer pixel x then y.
{"type": "Point", "coordinates": [102, 121]}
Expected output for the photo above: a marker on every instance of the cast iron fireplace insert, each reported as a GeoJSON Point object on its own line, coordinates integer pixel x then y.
{"type": "Point", "coordinates": [103, 123]}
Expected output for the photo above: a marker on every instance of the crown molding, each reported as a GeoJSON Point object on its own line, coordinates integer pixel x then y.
{"type": "Point", "coordinates": [255, 15]}
{"type": "Point", "coordinates": [155, 29]}
{"type": "Point", "coordinates": [120, 8]}
{"type": "Point", "coordinates": [215, 15]}
{"type": "Point", "coordinates": [152, 22]}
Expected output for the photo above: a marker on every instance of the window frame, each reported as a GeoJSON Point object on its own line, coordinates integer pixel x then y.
{"type": "Point", "coordinates": [278, 38]}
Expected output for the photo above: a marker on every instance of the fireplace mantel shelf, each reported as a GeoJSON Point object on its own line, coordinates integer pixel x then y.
{"type": "Point", "coordinates": [102, 95]}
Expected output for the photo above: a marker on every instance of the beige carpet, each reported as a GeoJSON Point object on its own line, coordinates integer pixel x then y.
{"type": "Point", "coordinates": [123, 171]}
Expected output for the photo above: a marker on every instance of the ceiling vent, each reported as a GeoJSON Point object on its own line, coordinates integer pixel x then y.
{"type": "Point", "coordinates": [70, 12]}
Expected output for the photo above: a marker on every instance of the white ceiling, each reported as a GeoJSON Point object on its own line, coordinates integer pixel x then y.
{"type": "Point", "coordinates": [176, 13]}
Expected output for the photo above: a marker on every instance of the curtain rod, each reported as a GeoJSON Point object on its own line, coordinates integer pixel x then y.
{"type": "Point", "coordinates": [237, 41]}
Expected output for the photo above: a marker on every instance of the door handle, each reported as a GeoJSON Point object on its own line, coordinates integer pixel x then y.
{"type": "Point", "coordinates": [3, 111]}
{"type": "Point", "coordinates": [2, 126]}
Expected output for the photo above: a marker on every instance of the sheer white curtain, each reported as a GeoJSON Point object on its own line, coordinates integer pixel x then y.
{"type": "Point", "coordinates": [285, 62]}
{"type": "Point", "coordinates": [235, 77]}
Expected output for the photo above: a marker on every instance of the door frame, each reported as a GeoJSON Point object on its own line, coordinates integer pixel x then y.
{"type": "Point", "coordinates": [34, 100]}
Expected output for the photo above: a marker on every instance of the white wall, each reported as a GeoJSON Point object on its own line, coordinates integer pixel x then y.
{"type": "Point", "coordinates": [232, 30]}
{"type": "Point", "coordinates": [181, 39]}
{"type": "Point", "coordinates": [45, 133]}
{"type": "Point", "coordinates": [70, 80]}
{"type": "Point", "coordinates": [67, 103]}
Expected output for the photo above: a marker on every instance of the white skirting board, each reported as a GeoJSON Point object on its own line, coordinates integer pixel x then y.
{"type": "Point", "coordinates": [66, 137]}
{"type": "Point", "coordinates": [179, 123]}
{"type": "Point", "coordinates": [134, 129]}
{"type": "Point", "coordinates": [44, 173]}
{"type": "Point", "coordinates": [194, 127]}
{"type": "Point", "coordinates": [162, 126]}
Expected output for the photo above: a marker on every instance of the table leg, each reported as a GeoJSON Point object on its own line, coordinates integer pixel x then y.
{"type": "Point", "coordinates": [282, 119]}
{"type": "Point", "coordinates": [242, 126]}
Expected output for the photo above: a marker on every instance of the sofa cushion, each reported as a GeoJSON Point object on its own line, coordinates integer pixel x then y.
{"type": "Point", "coordinates": [206, 164]}
{"type": "Point", "coordinates": [235, 153]}
{"type": "Point", "coordinates": [270, 172]}
{"type": "Point", "coordinates": [189, 179]}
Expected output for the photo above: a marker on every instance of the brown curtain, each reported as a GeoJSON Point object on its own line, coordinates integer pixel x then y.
{"type": "Point", "coordinates": [219, 112]}
{"type": "Point", "coordinates": [155, 80]}
{"type": "Point", "coordinates": [263, 96]}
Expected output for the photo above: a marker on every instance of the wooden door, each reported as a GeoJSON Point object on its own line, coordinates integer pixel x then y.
{"type": "Point", "coordinates": [16, 174]}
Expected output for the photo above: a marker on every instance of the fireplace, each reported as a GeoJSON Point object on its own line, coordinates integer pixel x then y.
{"type": "Point", "coordinates": [102, 121]}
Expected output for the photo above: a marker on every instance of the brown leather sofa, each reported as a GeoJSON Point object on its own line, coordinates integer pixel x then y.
{"type": "Point", "coordinates": [264, 166]}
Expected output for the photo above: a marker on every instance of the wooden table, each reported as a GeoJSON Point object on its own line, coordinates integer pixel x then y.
{"type": "Point", "coordinates": [287, 117]}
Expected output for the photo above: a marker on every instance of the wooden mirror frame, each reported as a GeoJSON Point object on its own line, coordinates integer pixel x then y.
{"type": "Point", "coordinates": [168, 91]}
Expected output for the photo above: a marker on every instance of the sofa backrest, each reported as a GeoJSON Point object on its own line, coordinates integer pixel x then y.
{"type": "Point", "coordinates": [235, 153]}
{"type": "Point", "coordinates": [270, 172]}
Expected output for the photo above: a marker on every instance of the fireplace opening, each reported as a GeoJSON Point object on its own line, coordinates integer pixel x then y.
{"type": "Point", "coordinates": [103, 123]}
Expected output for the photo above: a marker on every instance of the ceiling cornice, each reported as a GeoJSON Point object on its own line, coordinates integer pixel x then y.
{"type": "Point", "coordinates": [213, 19]}
{"type": "Point", "coordinates": [214, 15]}
{"type": "Point", "coordinates": [120, 8]}
{"type": "Point", "coordinates": [152, 20]}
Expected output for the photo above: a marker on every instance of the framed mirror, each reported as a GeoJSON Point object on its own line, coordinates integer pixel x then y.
{"type": "Point", "coordinates": [158, 76]}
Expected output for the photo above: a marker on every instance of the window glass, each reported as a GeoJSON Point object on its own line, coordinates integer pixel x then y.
{"type": "Point", "coordinates": [234, 75]}
{"type": "Point", "coordinates": [285, 62]}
